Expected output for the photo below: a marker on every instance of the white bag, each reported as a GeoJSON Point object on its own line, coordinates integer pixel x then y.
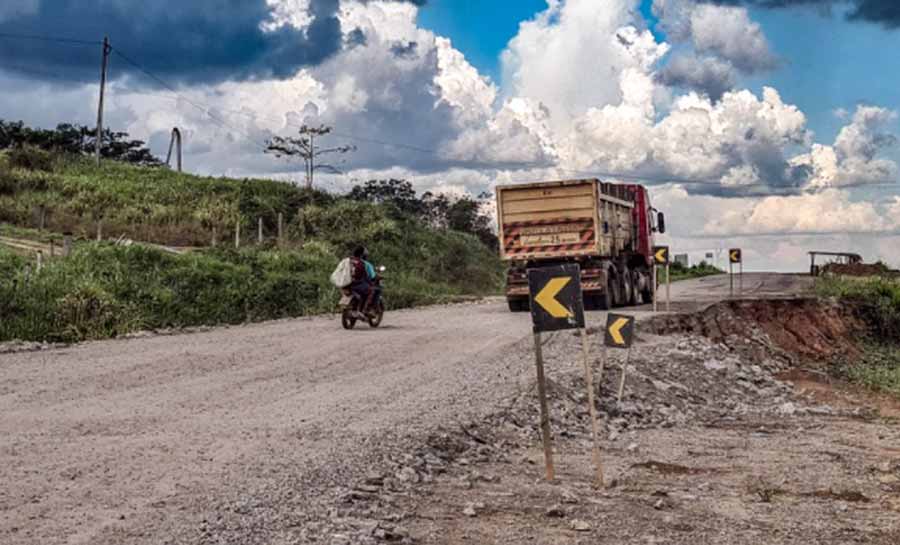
{"type": "Point", "coordinates": [343, 275]}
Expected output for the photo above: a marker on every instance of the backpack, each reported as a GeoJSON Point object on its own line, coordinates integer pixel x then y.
{"type": "Point", "coordinates": [343, 274]}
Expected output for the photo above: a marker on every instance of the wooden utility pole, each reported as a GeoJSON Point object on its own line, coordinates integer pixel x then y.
{"type": "Point", "coordinates": [312, 160]}
{"type": "Point", "coordinates": [104, 68]}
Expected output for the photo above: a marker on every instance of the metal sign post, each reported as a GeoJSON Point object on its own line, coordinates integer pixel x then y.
{"type": "Point", "coordinates": [661, 257]}
{"type": "Point", "coordinates": [556, 304]}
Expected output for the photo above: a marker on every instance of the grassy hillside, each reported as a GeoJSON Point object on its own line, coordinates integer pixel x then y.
{"type": "Point", "coordinates": [104, 290]}
{"type": "Point", "coordinates": [878, 301]}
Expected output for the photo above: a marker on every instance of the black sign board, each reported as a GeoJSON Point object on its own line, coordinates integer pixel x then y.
{"type": "Point", "coordinates": [661, 255]}
{"type": "Point", "coordinates": [619, 331]}
{"type": "Point", "coordinates": [734, 255]}
{"type": "Point", "coordinates": [556, 299]}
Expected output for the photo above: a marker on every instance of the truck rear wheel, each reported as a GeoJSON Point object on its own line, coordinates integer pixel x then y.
{"type": "Point", "coordinates": [606, 300]}
{"type": "Point", "coordinates": [518, 305]}
{"type": "Point", "coordinates": [647, 294]}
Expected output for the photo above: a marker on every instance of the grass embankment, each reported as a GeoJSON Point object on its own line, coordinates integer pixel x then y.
{"type": "Point", "coordinates": [104, 290]}
{"type": "Point", "coordinates": [680, 272]}
{"type": "Point", "coordinates": [878, 301]}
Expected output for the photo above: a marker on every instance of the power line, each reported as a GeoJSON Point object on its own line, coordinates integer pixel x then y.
{"type": "Point", "coordinates": [206, 109]}
{"type": "Point", "coordinates": [220, 122]}
{"type": "Point", "coordinates": [51, 39]}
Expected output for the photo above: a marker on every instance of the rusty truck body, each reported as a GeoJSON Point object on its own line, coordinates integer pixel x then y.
{"type": "Point", "coordinates": [606, 228]}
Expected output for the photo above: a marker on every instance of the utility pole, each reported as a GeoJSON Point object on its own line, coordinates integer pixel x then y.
{"type": "Point", "coordinates": [312, 160]}
{"type": "Point", "coordinates": [103, 70]}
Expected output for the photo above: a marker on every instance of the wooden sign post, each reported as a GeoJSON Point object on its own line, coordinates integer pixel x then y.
{"type": "Point", "coordinates": [735, 257]}
{"type": "Point", "coordinates": [620, 334]}
{"type": "Point", "coordinates": [661, 258]}
{"type": "Point", "coordinates": [556, 305]}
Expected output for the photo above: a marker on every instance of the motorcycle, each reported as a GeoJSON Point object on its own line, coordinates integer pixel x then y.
{"type": "Point", "coordinates": [351, 306]}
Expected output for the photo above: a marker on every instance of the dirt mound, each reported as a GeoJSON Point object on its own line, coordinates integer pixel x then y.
{"type": "Point", "coordinates": [856, 269]}
{"type": "Point", "coordinates": [808, 328]}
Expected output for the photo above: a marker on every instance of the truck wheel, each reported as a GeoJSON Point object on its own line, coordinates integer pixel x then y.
{"type": "Point", "coordinates": [630, 289]}
{"type": "Point", "coordinates": [606, 300]}
{"type": "Point", "coordinates": [518, 305]}
{"type": "Point", "coordinates": [647, 295]}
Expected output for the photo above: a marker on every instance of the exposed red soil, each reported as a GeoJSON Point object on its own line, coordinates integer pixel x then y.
{"type": "Point", "coordinates": [807, 328]}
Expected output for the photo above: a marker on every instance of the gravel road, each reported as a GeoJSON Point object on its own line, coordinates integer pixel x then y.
{"type": "Point", "coordinates": [150, 440]}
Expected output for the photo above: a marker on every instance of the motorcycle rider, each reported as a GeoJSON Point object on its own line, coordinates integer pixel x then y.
{"type": "Point", "coordinates": [363, 280]}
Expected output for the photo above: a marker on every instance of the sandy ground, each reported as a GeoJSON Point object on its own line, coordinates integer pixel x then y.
{"type": "Point", "coordinates": [145, 440]}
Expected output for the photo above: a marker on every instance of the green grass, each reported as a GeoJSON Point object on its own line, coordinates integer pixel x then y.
{"type": "Point", "coordinates": [877, 301]}
{"type": "Point", "coordinates": [878, 369]}
{"type": "Point", "coordinates": [877, 298]}
{"type": "Point", "coordinates": [104, 291]}
{"type": "Point", "coordinates": [680, 272]}
{"type": "Point", "coordinates": [141, 203]}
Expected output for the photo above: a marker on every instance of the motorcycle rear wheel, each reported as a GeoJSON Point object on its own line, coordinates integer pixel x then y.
{"type": "Point", "coordinates": [348, 320]}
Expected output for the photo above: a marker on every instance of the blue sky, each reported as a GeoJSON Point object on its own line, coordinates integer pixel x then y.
{"type": "Point", "coordinates": [480, 29]}
{"type": "Point", "coordinates": [826, 63]}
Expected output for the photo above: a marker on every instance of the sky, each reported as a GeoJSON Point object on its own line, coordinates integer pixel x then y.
{"type": "Point", "coordinates": [769, 125]}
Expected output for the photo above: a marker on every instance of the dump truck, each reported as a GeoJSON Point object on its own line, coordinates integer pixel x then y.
{"type": "Point", "coordinates": [606, 228]}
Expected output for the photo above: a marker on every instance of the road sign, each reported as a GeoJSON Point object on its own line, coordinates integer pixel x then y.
{"type": "Point", "coordinates": [661, 255]}
{"type": "Point", "coordinates": [556, 298]}
{"type": "Point", "coordinates": [735, 256]}
{"type": "Point", "coordinates": [619, 331]}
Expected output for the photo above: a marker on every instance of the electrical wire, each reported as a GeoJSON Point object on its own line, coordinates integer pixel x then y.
{"type": "Point", "coordinates": [207, 110]}
{"type": "Point", "coordinates": [35, 37]}
{"type": "Point", "coordinates": [220, 122]}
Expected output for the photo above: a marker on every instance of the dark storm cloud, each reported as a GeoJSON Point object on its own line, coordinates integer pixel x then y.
{"type": "Point", "coordinates": [192, 41]}
{"type": "Point", "coordinates": [884, 12]}
{"type": "Point", "coordinates": [708, 75]}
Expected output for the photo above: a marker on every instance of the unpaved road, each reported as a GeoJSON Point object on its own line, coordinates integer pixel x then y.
{"type": "Point", "coordinates": [144, 440]}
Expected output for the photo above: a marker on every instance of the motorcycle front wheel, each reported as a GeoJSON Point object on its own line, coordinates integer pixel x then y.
{"type": "Point", "coordinates": [375, 319]}
{"type": "Point", "coordinates": [348, 320]}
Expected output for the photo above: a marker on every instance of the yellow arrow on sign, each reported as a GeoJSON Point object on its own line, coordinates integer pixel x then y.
{"type": "Point", "coordinates": [735, 256]}
{"type": "Point", "coordinates": [615, 330]}
{"type": "Point", "coordinates": [661, 255]}
{"type": "Point", "coordinates": [547, 298]}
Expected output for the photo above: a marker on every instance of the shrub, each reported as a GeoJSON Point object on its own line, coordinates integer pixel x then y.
{"type": "Point", "coordinates": [30, 158]}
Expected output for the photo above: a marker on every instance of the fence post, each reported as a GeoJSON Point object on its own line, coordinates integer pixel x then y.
{"type": "Point", "coordinates": [99, 230]}
{"type": "Point", "coordinates": [52, 247]}
{"type": "Point", "coordinates": [237, 234]}
{"type": "Point", "coordinates": [215, 237]}
{"type": "Point", "coordinates": [67, 244]}
{"type": "Point", "coordinates": [259, 238]}
{"type": "Point", "coordinates": [280, 229]}
{"type": "Point", "coordinates": [40, 260]}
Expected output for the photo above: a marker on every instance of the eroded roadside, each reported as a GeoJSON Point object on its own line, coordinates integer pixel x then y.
{"type": "Point", "coordinates": [714, 442]}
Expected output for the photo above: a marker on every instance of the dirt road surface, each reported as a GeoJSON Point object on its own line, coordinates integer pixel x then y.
{"type": "Point", "coordinates": [247, 434]}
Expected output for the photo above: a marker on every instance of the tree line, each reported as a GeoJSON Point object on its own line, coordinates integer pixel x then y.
{"type": "Point", "coordinates": [74, 139]}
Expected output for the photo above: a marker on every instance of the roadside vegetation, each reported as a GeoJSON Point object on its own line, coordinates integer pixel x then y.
{"type": "Point", "coordinates": [436, 248]}
{"type": "Point", "coordinates": [680, 272]}
{"type": "Point", "coordinates": [878, 302]}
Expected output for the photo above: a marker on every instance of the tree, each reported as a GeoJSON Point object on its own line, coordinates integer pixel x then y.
{"type": "Point", "coordinates": [305, 148]}
{"type": "Point", "coordinates": [398, 193]}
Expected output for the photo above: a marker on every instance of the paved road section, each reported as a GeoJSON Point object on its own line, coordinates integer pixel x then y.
{"type": "Point", "coordinates": [138, 440]}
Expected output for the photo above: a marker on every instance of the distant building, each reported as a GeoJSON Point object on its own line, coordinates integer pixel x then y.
{"type": "Point", "coordinates": [683, 259]}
